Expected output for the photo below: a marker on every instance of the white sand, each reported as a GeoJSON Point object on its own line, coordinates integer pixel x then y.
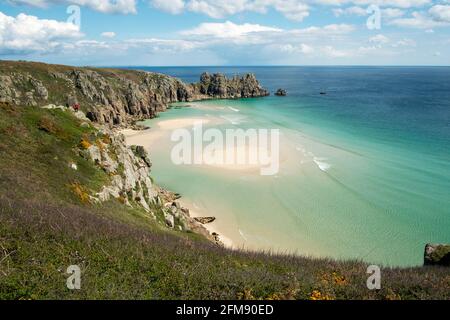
{"type": "Point", "coordinates": [158, 137]}
{"type": "Point", "coordinates": [218, 158]}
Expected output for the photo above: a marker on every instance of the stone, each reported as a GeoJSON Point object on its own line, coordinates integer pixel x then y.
{"type": "Point", "coordinates": [139, 127]}
{"type": "Point", "coordinates": [185, 212]}
{"type": "Point", "coordinates": [132, 181]}
{"type": "Point", "coordinates": [205, 220]}
{"type": "Point", "coordinates": [53, 106]}
{"type": "Point", "coordinates": [107, 163]}
{"type": "Point", "coordinates": [219, 86]}
{"type": "Point", "coordinates": [40, 90]}
{"type": "Point", "coordinates": [281, 92]}
{"type": "Point", "coordinates": [95, 154]}
{"type": "Point", "coordinates": [437, 254]}
{"type": "Point", "coordinates": [216, 237]}
{"type": "Point", "coordinates": [169, 219]}
{"type": "Point", "coordinates": [80, 115]}
{"type": "Point", "coordinates": [140, 152]}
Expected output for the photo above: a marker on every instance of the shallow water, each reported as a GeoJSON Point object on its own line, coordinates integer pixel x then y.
{"type": "Point", "coordinates": [364, 173]}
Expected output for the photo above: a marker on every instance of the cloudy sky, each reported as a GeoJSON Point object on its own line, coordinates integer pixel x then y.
{"type": "Point", "coordinates": [232, 32]}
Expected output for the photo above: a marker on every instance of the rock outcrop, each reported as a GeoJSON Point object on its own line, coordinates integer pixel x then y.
{"type": "Point", "coordinates": [437, 254]}
{"type": "Point", "coordinates": [205, 220]}
{"type": "Point", "coordinates": [219, 86]}
{"type": "Point", "coordinates": [117, 98]}
{"type": "Point", "coordinates": [129, 173]}
{"type": "Point", "coordinates": [130, 183]}
{"type": "Point", "coordinates": [281, 92]}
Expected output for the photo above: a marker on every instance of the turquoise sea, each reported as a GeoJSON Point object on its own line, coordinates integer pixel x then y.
{"type": "Point", "coordinates": [365, 175]}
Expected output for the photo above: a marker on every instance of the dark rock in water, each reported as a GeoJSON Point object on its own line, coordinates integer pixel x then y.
{"type": "Point", "coordinates": [323, 92]}
{"type": "Point", "coordinates": [437, 254]}
{"type": "Point", "coordinates": [281, 92]}
{"type": "Point", "coordinates": [205, 220]}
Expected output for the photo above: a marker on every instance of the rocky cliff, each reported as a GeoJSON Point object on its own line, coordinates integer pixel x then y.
{"type": "Point", "coordinates": [221, 87]}
{"type": "Point", "coordinates": [116, 97]}
{"type": "Point", "coordinates": [128, 169]}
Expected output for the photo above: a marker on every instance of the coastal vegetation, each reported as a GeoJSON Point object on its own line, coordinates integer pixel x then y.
{"type": "Point", "coordinates": [54, 212]}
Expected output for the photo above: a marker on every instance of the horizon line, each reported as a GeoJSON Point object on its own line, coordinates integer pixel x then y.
{"type": "Point", "coordinates": [229, 65]}
{"type": "Point", "coordinates": [278, 65]}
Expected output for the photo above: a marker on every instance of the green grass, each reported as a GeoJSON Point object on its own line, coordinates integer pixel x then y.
{"type": "Point", "coordinates": [125, 254]}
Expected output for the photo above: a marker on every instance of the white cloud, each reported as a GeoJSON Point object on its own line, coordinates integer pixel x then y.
{"type": "Point", "coordinates": [292, 9]}
{"type": "Point", "coordinates": [368, 50]}
{"type": "Point", "coordinates": [332, 52]}
{"type": "Point", "coordinates": [391, 13]}
{"type": "Point", "coordinates": [382, 3]}
{"type": "Point", "coordinates": [105, 6]}
{"type": "Point", "coordinates": [173, 6]}
{"type": "Point", "coordinates": [379, 39]}
{"type": "Point", "coordinates": [404, 43]}
{"type": "Point", "coordinates": [331, 29]}
{"type": "Point", "coordinates": [293, 49]}
{"type": "Point", "coordinates": [27, 34]}
{"type": "Point", "coordinates": [440, 13]}
{"type": "Point", "coordinates": [295, 10]}
{"type": "Point", "coordinates": [422, 20]}
{"type": "Point", "coordinates": [163, 45]}
{"type": "Point", "coordinates": [254, 34]}
{"type": "Point", "coordinates": [108, 34]}
{"type": "Point", "coordinates": [387, 13]}
{"type": "Point", "coordinates": [217, 9]}
{"type": "Point", "coordinates": [227, 30]}
{"type": "Point", "coordinates": [92, 44]}
{"type": "Point", "coordinates": [358, 11]}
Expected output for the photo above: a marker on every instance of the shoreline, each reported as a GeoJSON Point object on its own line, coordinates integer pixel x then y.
{"type": "Point", "coordinates": [149, 136]}
{"type": "Point", "coordinates": [156, 136]}
{"type": "Point", "coordinates": [210, 227]}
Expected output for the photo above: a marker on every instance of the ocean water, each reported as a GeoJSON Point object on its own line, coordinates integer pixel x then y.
{"type": "Point", "coordinates": [365, 170]}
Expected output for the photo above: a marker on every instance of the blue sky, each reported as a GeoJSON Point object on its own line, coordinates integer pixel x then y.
{"type": "Point", "coordinates": [233, 32]}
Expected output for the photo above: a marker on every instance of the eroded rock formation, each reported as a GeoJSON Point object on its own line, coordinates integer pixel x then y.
{"type": "Point", "coordinates": [113, 97]}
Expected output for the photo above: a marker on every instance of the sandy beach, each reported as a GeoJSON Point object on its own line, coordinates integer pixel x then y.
{"type": "Point", "coordinates": [163, 128]}
{"type": "Point", "coordinates": [157, 140]}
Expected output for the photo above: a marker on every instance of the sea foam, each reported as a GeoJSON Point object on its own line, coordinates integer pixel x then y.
{"type": "Point", "coordinates": [320, 162]}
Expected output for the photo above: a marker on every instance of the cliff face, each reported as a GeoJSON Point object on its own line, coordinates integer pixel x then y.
{"type": "Point", "coordinates": [115, 97]}
{"type": "Point", "coordinates": [219, 86]}
{"type": "Point", "coordinates": [130, 183]}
